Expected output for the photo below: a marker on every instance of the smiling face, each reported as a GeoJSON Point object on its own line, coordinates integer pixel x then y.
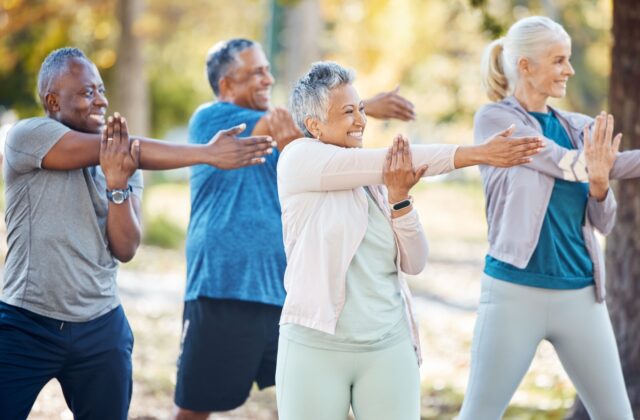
{"type": "Point", "coordinates": [547, 75]}
{"type": "Point", "coordinates": [76, 97]}
{"type": "Point", "coordinates": [249, 81]}
{"type": "Point", "coordinates": [345, 120]}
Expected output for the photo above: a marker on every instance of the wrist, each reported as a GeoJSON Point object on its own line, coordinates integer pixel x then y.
{"type": "Point", "coordinates": [397, 196]}
{"type": "Point", "coordinates": [598, 189]}
{"type": "Point", "coordinates": [470, 155]}
{"type": "Point", "coordinates": [117, 183]}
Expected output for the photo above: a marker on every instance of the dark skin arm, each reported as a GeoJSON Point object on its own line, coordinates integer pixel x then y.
{"type": "Point", "coordinates": [118, 162]}
{"type": "Point", "coordinates": [77, 150]}
{"type": "Point", "coordinates": [387, 105]}
{"type": "Point", "coordinates": [278, 124]}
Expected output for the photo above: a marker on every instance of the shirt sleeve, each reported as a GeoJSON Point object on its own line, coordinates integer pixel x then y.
{"type": "Point", "coordinates": [602, 214]}
{"type": "Point", "coordinates": [553, 160]}
{"type": "Point", "coordinates": [29, 141]}
{"type": "Point", "coordinates": [308, 165]}
{"type": "Point", "coordinates": [137, 184]}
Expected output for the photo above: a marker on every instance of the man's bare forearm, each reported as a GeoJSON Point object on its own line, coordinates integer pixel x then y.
{"type": "Point", "coordinates": [159, 155]}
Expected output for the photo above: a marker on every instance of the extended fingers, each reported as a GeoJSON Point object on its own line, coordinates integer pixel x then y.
{"type": "Point", "coordinates": [110, 128]}
{"type": "Point", "coordinates": [403, 109]}
{"type": "Point", "coordinates": [616, 143]}
{"type": "Point", "coordinates": [600, 128]}
{"type": "Point", "coordinates": [234, 131]}
{"type": "Point", "coordinates": [527, 146]}
{"type": "Point", "coordinates": [609, 131]}
{"type": "Point", "coordinates": [507, 132]}
{"type": "Point", "coordinates": [394, 154]}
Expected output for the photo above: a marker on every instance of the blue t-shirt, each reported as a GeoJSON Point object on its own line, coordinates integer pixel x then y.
{"type": "Point", "coordinates": [560, 260]}
{"type": "Point", "coordinates": [234, 242]}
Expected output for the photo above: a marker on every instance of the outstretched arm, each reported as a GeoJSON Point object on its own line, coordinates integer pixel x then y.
{"type": "Point", "coordinates": [387, 105]}
{"type": "Point", "coordinates": [553, 160]}
{"type": "Point", "coordinates": [79, 150]}
{"type": "Point", "coordinates": [310, 165]}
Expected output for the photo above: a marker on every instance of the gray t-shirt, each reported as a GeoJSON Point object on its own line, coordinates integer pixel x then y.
{"type": "Point", "coordinates": [59, 264]}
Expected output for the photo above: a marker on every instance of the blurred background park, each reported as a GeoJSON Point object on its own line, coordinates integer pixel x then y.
{"type": "Point", "coordinates": [151, 56]}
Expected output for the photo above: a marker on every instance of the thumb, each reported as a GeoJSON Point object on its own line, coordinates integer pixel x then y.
{"type": "Point", "coordinates": [234, 130]}
{"type": "Point", "coordinates": [509, 131]}
{"type": "Point", "coordinates": [616, 143]}
{"type": "Point", "coordinates": [421, 171]}
{"type": "Point", "coordinates": [135, 151]}
{"type": "Point", "coordinates": [396, 90]}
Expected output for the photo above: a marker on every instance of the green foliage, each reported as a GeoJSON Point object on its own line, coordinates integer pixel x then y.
{"type": "Point", "coordinates": [160, 231]}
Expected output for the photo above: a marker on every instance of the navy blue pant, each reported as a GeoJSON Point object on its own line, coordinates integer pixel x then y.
{"type": "Point", "coordinates": [91, 360]}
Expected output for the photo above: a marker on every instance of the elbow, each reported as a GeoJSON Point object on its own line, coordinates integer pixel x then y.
{"type": "Point", "coordinates": [414, 269]}
{"type": "Point", "coordinates": [125, 256]}
{"type": "Point", "coordinates": [126, 253]}
{"type": "Point", "coordinates": [416, 263]}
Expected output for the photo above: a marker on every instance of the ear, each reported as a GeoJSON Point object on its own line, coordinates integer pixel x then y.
{"type": "Point", "coordinates": [524, 66]}
{"type": "Point", "coordinates": [313, 126]}
{"type": "Point", "coordinates": [51, 103]}
{"type": "Point", "coordinates": [224, 86]}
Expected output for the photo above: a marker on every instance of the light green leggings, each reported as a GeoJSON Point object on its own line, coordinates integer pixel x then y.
{"type": "Point", "coordinates": [318, 384]}
{"type": "Point", "coordinates": [513, 319]}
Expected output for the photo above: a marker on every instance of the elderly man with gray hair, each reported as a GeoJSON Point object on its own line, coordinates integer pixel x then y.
{"type": "Point", "coordinates": [235, 254]}
{"type": "Point", "coordinates": [73, 197]}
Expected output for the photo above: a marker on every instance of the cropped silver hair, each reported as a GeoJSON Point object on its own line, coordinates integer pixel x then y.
{"type": "Point", "coordinates": [54, 65]}
{"type": "Point", "coordinates": [222, 56]}
{"type": "Point", "coordinates": [310, 95]}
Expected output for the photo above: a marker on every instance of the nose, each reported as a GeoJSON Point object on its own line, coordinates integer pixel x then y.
{"type": "Point", "coordinates": [361, 118]}
{"type": "Point", "coordinates": [100, 100]}
{"type": "Point", "coordinates": [268, 79]}
{"type": "Point", "coordinates": [569, 70]}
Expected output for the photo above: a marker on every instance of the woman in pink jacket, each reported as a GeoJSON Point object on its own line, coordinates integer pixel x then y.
{"type": "Point", "coordinates": [348, 337]}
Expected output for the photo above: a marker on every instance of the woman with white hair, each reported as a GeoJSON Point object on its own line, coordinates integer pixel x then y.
{"type": "Point", "coordinates": [544, 271]}
{"type": "Point", "coordinates": [347, 335]}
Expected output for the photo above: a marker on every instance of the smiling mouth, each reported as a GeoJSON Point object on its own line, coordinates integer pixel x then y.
{"type": "Point", "coordinates": [356, 134]}
{"type": "Point", "coordinates": [99, 118]}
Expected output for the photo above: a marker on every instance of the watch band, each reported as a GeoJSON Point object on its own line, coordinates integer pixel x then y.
{"type": "Point", "coordinates": [402, 204]}
{"type": "Point", "coordinates": [119, 196]}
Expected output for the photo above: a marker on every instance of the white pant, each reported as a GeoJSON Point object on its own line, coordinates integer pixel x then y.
{"type": "Point", "coordinates": [513, 319]}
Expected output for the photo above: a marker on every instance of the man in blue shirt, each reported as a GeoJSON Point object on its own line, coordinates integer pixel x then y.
{"type": "Point", "coordinates": [235, 252]}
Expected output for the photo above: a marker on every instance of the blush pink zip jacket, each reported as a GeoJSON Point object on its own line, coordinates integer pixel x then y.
{"type": "Point", "coordinates": [325, 217]}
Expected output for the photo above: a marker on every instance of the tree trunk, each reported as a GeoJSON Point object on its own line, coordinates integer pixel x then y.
{"type": "Point", "coordinates": [623, 245]}
{"type": "Point", "coordinates": [303, 26]}
{"type": "Point", "coordinates": [131, 97]}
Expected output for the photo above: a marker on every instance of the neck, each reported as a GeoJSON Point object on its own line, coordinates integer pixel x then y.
{"type": "Point", "coordinates": [225, 97]}
{"type": "Point", "coordinates": [531, 101]}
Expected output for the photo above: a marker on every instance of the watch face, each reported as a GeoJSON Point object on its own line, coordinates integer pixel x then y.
{"type": "Point", "coordinates": [117, 197]}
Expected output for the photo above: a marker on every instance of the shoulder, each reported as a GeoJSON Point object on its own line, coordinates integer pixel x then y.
{"type": "Point", "coordinates": [496, 109]}
{"type": "Point", "coordinates": [35, 128]}
{"type": "Point", "coordinates": [302, 151]}
{"type": "Point", "coordinates": [575, 119]}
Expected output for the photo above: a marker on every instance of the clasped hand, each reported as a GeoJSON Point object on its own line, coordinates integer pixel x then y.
{"type": "Point", "coordinates": [119, 158]}
{"type": "Point", "coordinates": [398, 173]}
{"type": "Point", "coordinates": [600, 150]}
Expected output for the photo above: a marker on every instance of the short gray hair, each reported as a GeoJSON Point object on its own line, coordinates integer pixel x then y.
{"type": "Point", "coordinates": [55, 64]}
{"type": "Point", "coordinates": [220, 58]}
{"type": "Point", "coordinates": [310, 95]}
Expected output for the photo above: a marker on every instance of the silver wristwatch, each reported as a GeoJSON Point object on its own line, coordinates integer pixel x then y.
{"type": "Point", "coordinates": [119, 196]}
